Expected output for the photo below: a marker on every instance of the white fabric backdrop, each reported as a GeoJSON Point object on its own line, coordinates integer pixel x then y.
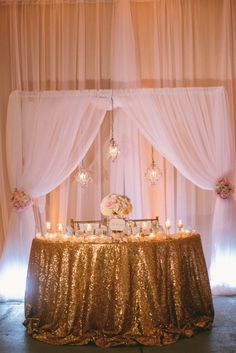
{"type": "Point", "coordinates": [47, 136]}
{"type": "Point", "coordinates": [186, 125]}
{"type": "Point", "coordinates": [192, 129]}
{"type": "Point", "coordinates": [80, 44]}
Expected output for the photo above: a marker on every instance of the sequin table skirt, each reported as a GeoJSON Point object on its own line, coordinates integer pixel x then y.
{"type": "Point", "coordinates": [111, 294]}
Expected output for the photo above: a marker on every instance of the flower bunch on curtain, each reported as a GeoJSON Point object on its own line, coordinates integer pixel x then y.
{"type": "Point", "coordinates": [116, 205]}
{"type": "Point", "coordinates": [20, 200]}
{"type": "Point", "coordinates": [224, 189]}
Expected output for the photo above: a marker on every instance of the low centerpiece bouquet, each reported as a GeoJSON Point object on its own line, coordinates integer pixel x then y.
{"type": "Point", "coordinates": [20, 200]}
{"type": "Point", "coordinates": [224, 188]}
{"type": "Point", "coordinates": [114, 205]}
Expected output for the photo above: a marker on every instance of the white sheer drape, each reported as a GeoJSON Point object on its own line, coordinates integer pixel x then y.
{"type": "Point", "coordinates": [192, 129]}
{"type": "Point", "coordinates": [127, 173]}
{"type": "Point", "coordinates": [189, 126]}
{"type": "Point", "coordinates": [47, 136]}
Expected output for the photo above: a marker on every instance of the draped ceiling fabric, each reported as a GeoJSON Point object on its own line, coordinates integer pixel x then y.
{"type": "Point", "coordinates": [102, 44]}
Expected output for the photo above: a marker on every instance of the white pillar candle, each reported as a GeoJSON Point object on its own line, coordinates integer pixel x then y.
{"type": "Point", "coordinates": [180, 224]}
{"type": "Point", "coordinates": [168, 226]}
{"type": "Point", "coordinates": [60, 227]}
{"type": "Point", "coordinates": [89, 227]}
{"type": "Point", "coordinates": [144, 225]}
{"type": "Point", "coordinates": [48, 225]}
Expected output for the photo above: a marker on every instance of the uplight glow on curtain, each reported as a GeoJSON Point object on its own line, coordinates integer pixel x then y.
{"type": "Point", "coordinates": [12, 282]}
{"type": "Point", "coordinates": [223, 279]}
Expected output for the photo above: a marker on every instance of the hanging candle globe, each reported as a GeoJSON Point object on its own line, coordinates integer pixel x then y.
{"type": "Point", "coordinates": [83, 177]}
{"type": "Point", "coordinates": [153, 173]}
{"type": "Point", "coordinates": [113, 150]}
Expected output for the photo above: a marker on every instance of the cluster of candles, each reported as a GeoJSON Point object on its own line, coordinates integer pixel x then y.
{"type": "Point", "coordinates": [66, 232]}
{"type": "Point", "coordinates": [180, 226]}
{"type": "Point", "coordinates": [87, 230]}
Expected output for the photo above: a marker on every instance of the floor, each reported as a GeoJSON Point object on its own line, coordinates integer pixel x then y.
{"type": "Point", "coordinates": [221, 339]}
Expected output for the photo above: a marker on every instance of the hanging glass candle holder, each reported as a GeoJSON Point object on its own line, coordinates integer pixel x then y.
{"type": "Point", "coordinates": [83, 177]}
{"type": "Point", "coordinates": [113, 149]}
{"type": "Point", "coordinates": [153, 173]}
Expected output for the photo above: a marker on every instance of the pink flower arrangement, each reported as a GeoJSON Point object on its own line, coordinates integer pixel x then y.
{"type": "Point", "coordinates": [116, 205]}
{"type": "Point", "coordinates": [20, 200]}
{"type": "Point", "coordinates": [224, 188]}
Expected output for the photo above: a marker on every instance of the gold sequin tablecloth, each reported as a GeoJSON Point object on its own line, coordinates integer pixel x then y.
{"type": "Point", "coordinates": [149, 292]}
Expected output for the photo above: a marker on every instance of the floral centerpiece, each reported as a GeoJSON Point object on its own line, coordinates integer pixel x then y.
{"type": "Point", "coordinates": [224, 188]}
{"type": "Point", "coordinates": [20, 200]}
{"type": "Point", "coordinates": [116, 205]}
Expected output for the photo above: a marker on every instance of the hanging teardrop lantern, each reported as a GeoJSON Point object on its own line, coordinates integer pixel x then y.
{"type": "Point", "coordinates": [83, 177]}
{"type": "Point", "coordinates": [153, 173]}
{"type": "Point", "coordinates": [113, 149]}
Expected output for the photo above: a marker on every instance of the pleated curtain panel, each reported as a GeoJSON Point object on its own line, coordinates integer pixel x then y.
{"type": "Point", "coordinates": [49, 133]}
